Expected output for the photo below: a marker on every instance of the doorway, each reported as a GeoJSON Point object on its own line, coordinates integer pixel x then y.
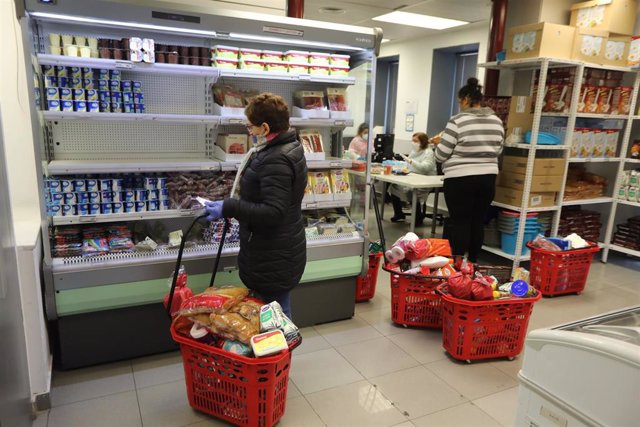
{"type": "Point", "coordinates": [461, 62]}
{"type": "Point", "coordinates": [386, 92]}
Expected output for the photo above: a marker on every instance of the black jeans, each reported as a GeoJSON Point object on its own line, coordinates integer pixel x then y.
{"type": "Point", "coordinates": [397, 206]}
{"type": "Point", "coordinates": [468, 199]}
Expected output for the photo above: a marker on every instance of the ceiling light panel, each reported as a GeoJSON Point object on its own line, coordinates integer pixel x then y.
{"type": "Point", "coordinates": [421, 21]}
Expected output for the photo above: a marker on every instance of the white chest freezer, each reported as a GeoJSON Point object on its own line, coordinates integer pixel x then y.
{"type": "Point", "coordinates": [586, 373]}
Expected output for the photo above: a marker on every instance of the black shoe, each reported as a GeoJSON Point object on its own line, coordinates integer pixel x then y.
{"type": "Point", "coordinates": [398, 218]}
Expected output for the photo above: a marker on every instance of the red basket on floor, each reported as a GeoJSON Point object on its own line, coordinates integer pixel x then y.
{"type": "Point", "coordinates": [414, 301]}
{"type": "Point", "coordinates": [560, 272]}
{"type": "Point", "coordinates": [241, 390]}
{"type": "Point", "coordinates": [366, 286]}
{"type": "Point", "coordinates": [474, 330]}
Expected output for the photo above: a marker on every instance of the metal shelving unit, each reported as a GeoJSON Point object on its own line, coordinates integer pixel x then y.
{"type": "Point", "coordinates": [81, 167]}
{"type": "Point", "coordinates": [132, 117]}
{"type": "Point", "coordinates": [580, 202]}
{"type": "Point", "coordinates": [518, 209]}
{"type": "Point", "coordinates": [623, 250]}
{"type": "Point", "coordinates": [268, 75]}
{"type": "Point", "coordinates": [594, 160]}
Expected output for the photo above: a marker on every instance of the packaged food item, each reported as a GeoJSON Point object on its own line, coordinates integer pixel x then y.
{"type": "Point", "coordinates": [339, 181]}
{"type": "Point", "coordinates": [588, 97]}
{"type": "Point", "coordinates": [337, 98]}
{"type": "Point", "coordinates": [252, 64]}
{"type": "Point", "coordinates": [635, 150]}
{"type": "Point", "coordinates": [319, 58]}
{"type": "Point", "coordinates": [310, 100]}
{"type": "Point", "coordinates": [233, 143]}
{"type": "Point", "coordinates": [319, 70]}
{"type": "Point", "coordinates": [586, 143]}
{"type": "Point", "coordinates": [603, 100]}
{"type": "Point", "coordinates": [220, 51]}
{"type": "Point", "coordinates": [297, 56]}
{"type": "Point", "coordinates": [599, 143]}
{"type": "Point", "coordinates": [311, 140]}
{"type": "Point", "coordinates": [249, 54]}
{"type": "Point", "coordinates": [53, 105]}
{"type": "Point", "coordinates": [320, 182]}
{"type": "Point", "coordinates": [339, 60]}
{"type": "Point", "coordinates": [234, 326]}
{"type": "Point", "coordinates": [339, 71]}
{"type": "Point", "coordinates": [459, 285]}
{"type": "Point", "coordinates": [272, 56]}
{"type": "Point", "coordinates": [268, 343]}
{"type": "Point", "coordinates": [298, 68]}
{"type": "Point", "coordinates": [225, 63]}
{"type": "Point", "coordinates": [611, 142]}
{"type": "Point", "coordinates": [213, 300]}
{"type": "Point", "coordinates": [228, 96]}
{"type": "Point", "coordinates": [275, 66]}
{"type": "Point", "coordinates": [556, 98]}
{"type": "Point", "coordinates": [236, 347]}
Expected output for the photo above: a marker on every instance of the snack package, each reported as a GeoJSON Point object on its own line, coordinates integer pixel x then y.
{"type": "Point", "coordinates": [213, 300]}
{"type": "Point", "coordinates": [439, 247]}
{"type": "Point", "coordinates": [181, 293]}
{"type": "Point", "coordinates": [320, 182]}
{"type": "Point", "coordinates": [604, 100]}
{"type": "Point", "coordinates": [337, 98]}
{"type": "Point", "coordinates": [588, 97]}
{"type": "Point", "coordinates": [309, 100]}
{"type": "Point", "coordinates": [234, 326]}
{"type": "Point", "coordinates": [311, 140]}
{"type": "Point", "coordinates": [236, 347]}
{"type": "Point", "coordinates": [541, 242]}
{"type": "Point", "coordinates": [228, 96]}
{"type": "Point", "coordinates": [339, 181]}
{"type": "Point", "coordinates": [272, 317]}
{"type": "Point", "coordinates": [460, 285]}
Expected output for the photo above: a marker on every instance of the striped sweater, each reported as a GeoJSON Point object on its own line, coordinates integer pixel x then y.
{"type": "Point", "coordinates": [471, 143]}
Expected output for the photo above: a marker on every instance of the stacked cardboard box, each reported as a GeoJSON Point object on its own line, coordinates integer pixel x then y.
{"type": "Point", "coordinates": [545, 182]}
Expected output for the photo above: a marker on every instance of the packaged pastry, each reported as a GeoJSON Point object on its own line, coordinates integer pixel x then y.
{"type": "Point", "coordinates": [276, 66]}
{"type": "Point", "coordinates": [603, 100]}
{"type": "Point", "coordinates": [310, 100]}
{"type": "Point", "coordinates": [337, 99]}
{"type": "Point", "coordinates": [339, 181]}
{"type": "Point", "coordinates": [588, 96]}
{"type": "Point", "coordinates": [635, 150]}
{"type": "Point", "coordinates": [252, 64]}
{"type": "Point", "coordinates": [576, 140]}
{"type": "Point", "coordinates": [611, 143]}
{"type": "Point", "coordinates": [311, 141]}
{"type": "Point", "coordinates": [319, 70]}
{"type": "Point", "coordinates": [228, 96]}
{"type": "Point", "coordinates": [233, 143]}
{"type": "Point", "coordinates": [320, 182]}
{"type": "Point", "coordinates": [339, 60]}
{"type": "Point", "coordinates": [249, 54]}
{"type": "Point", "coordinates": [225, 63]}
{"type": "Point", "coordinates": [599, 143]}
{"type": "Point", "coordinates": [586, 143]}
{"type": "Point", "coordinates": [621, 100]}
{"type": "Point", "coordinates": [298, 68]}
{"type": "Point", "coordinates": [319, 58]}
{"type": "Point", "coordinates": [272, 55]}
{"type": "Point", "coordinates": [339, 71]}
{"type": "Point", "coordinates": [297, 56]}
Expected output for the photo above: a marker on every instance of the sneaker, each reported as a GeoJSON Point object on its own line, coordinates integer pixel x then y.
{"type": "Point", "coordinates": [398, 218]}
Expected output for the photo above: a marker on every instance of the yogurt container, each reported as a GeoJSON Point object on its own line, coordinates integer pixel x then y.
{"type": "Point", "coordinates": [102, 74]}
{"type": "Point", "coordinates": [116, 96]}
{"type": "Point", "coordinates": [165, 205]}
{"type": "Point", "coordinates": [63, 82]}
{"type": "Point", "coordinates": [79, 185]}
{"type": "Point", "coordinates": [163, 194]}
{"type": "Point", "coordinates": [153, 205]}
{"type": "Point", "coordinates": [53, 105]}
{"type": "Point", "coordinates": [127, 97]}
{"type": "Point", "coordinates": [249, 54]}
{"type": "Point", "coordinates": [106, 208]}
{"type": "Point", "coordinates": [87, 84]}
{"type": "Point", "coordinates": [104, 96]}
{"type": "Point", "coordinates": [57, 198]}
{"type": "Point", "coordinates": [117, 184]}
{"type": "Point", "coordinates": [272, 55]}
{"type": "Point", "coordinates": [83, 209]}
{"type": "Point", "coordinates": [298, 68]}
{"type": "Point", "coordinates": [91, 95]}
{"type": "Point", "coordinates": [252, 64]}
{"type": "Point", "coordinates": [82, 198]}
{"type": "Point", "coordinates": [94, 196]}
{"type": "Point", "coordinates": [141, 195]}
{"type": "Point", "coordinates": [138, 98]}
{"type": "Point", "coordinates": [280, 67]}
{"type": "Point", "coordinates": [126, 86]}
{"type": "Point", "coordinates": [103, 85]}
{"type": "Point", "coordinates": [116, 195]}
{"type": "Point", "coordinates": [228, 52]}
{"type": "Point", "coordinates": [339, 71]}
{"type": "Point", "coordinates": [61, 71]}
{"type": "Point", "coordinates": [50, 81]}
{"type": "Point", "coordinates": [80, 106]}
{"type": "Point", "coordinates": [54, 210]}
{"type": "Point", "coordinates": [127, 107]}
{"type": "Point", "coordinates": [94, 208]}
{"type": "Point", "coordinates": [116, 107]}
{"type": "Point", "coordinates": [105, 184]}
{"type": "Point", "coordinates": [319, 70]}
{"type": "Point", "coordinates": [69, 198]}
{"type": "Point", "coordinates": [162, 182]}
{"type": "Point", "coordinates": [87, 73]}
{"type": "Point", "coordinates": [75, 83]}
{"type": "Point", "coordinates": [339, 60]}
{"type": "Point", "coordinates": [141, 206]}
{"type": "Point", "coordinates": [128, 196]}
{"type": "Point", "coordinates": [75, 72]}
{"type": "Point", "coordinates": [225, 63]}
{"type": "Point", "coordinates": [69, 210]}
{"type": "Point", "coordinates": [66, 94]}
{"type": "Point", "coordinates": [136, 86]}
{"type": "Point", "coordinates": [92, 184]}
{"type": "Point", "coordinates": [128, 207]}
{"type": "Point", "coordinates": [52, 94]}
{"type": "Point", "coordinates": [114, 85]}
{"type": "Point", "coordinates": [319, 58]}
{"type": "Point", "coordinates": [104, 107]}
{"type": "Point", "coordinates": [93, 106]}
{"type": "Point", "coordinates": [107, 196]}
{"type": "Point", "coordinates": [151, 183]}
{"type": "Point", "coordinates": [53, 185]}
{"type": "Point", "coordinates": [49, 70]}
{"type": "Point", "coordinates": [78, 95]}
{"type": "Point", "coordinates": [66, 186]}
{"type": "Point", "coordinates": [115, 75]}
{"type": "Point", "coordinates": [297, 56]}
{"type": "Point", "coordinates": [153, 195]}
{"type": "Point", "coordinates": [118, 208]}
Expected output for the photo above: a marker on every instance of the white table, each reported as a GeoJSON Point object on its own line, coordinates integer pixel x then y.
{"type": "Point", "coordinates": [414, 181]}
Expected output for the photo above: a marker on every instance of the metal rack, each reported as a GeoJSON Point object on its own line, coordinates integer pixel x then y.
{"type": "Point", "coordinates": [543, 65]}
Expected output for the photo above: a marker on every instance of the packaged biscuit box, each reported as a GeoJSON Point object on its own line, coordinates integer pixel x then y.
{"type": "Point", "coordinates": [320, 184]}
{"type": "Point", "coordinates": [339, 181]}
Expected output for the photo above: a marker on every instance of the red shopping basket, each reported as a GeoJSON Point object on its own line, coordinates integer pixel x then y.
{"type": "Point", "coordinates": [414, 301]}
{"type": "Point", "coordinates": [560, 272]}
{"type": "Point", "coordinates": [241, 390]}
{"type": "Point", "coordinates": [474, 330]}
{"type": "Point", "coordinates": [366, 286]}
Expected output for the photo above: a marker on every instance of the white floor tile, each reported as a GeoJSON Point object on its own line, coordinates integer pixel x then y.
{"type": "Point", "coordinates": [465, 415]}
{"type": "Point", "coordinates": [405, 424]}
{"type": "Point", "coordinates": [119, 409]}
{"type": "Point", "coordinates": [510, 367]}
{"type": "Point", "coordinates": [354, 405]}
{"type": "Point", "coordinates": [381, 320]}
{"type": "Point", "coordinates": [292, 390]}
{"type": "Point", "coordinates": [321, 370]}
{"type": "Point", "coordinates": [158, 369]}
{"type": "Point", "coordinates": [473, 380]}
{"type": "Point", "coordinates": [41, 419]}
{"type": "Point", "coordinates": [501, 406]}
{"type": "Point", "coordinates": [417, 391]}
{"type": "Point", "coordinates": [89, 383]}
{"type": "Point", "coordinates": [375, 357]}
{"type": "Point", "coordinates": [166, 405]}
{"type": "Point", "coordinates": [299, 413]}
{"type": "Point", "coordinates": [311, 341]}
{"type": "Point", "coordinates": [347, 331]}
{"type": "Point", "coordinates": [425, 345]}
{"type": "Point", "coordinates": [377, 303]}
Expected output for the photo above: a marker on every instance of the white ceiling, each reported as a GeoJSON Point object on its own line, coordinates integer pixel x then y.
{"type": "Point", "coordinates": [360, 12]}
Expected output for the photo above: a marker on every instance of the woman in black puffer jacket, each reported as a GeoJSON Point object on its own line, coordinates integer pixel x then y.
{"type": "Point", "coordinates": [266, 200]}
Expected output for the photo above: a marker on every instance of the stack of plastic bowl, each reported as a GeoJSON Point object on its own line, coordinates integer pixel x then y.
{"type": "Point", "coordinates": [508, 223]}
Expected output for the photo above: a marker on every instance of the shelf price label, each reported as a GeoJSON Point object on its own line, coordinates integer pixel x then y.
{"type": "Point", "coordinates": [87, 218]}
{"type": "Point", "coordinates": [236, 121]}
{"type": "Point", "coordinates": [340, 123]}
{"type": "Point", "coordinates": [335, 164]}
{"type": "Point", "coordinates": [312, 205]}
{"type": "Point", "coordinates": [124, 64]}
{"type": "Point", "coordinates": [304, 77]}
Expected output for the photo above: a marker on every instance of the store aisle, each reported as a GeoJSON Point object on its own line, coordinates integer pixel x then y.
{"type": "Point", "coordinates": [358, 372]}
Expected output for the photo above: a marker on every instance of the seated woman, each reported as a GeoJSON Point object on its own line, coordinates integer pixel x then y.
{"type": "Point", "coordinates": [360, 142]}
{"type": "Point", "coordinates": [421, 160]}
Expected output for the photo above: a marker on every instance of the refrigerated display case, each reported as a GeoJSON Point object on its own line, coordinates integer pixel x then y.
{"type": "Point", "coordinates": [107, 306]}
{"type": "Point", "coordinates": [582, 373]}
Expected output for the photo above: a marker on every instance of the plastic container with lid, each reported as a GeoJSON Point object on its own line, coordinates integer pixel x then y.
{"type": "Point", "coordinates": [272, 55]}
{"type": "Point", "coordinates": [297, 56]}
{"type": "Point", "coordinates": [339, 71]}
{"type": "Point", "coordinates": [268, 343]}
{"type": "Point", "coordinates": [249, 54]}
{"type": "Point", "coordinates": [319, 58]}
{"type": "Point", "coordinates": [281, 67]}
{"type": "Point", "coordinates": [339, 60]}
{"type": "Point", "coordinates": [297, 68]}
{"type": "Point", "coordinates": [319, 70]}
{"type": "Point", "coordinates": [225, 63]}
{"type": "Point", "coordinates": [252, 64]}
{"type": "Point", "coordinates": [220, 51]}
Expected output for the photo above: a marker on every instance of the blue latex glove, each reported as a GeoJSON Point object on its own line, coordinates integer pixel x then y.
{"type": "Point", "coordinates": [214, 210]}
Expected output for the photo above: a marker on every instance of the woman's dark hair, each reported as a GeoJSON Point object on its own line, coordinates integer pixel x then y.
{"type": "Point", "coordinates": [422, 138]}
{"type": "Point", "coordinates": [362, 128]}
{"type": "Point", "coordinates": [270, 109]}
{"type": "Point", "coordinates": [472, 90]}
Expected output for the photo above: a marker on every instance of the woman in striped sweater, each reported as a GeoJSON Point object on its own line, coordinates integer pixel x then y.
{"type": "Point", "coordinates": [469, 150]}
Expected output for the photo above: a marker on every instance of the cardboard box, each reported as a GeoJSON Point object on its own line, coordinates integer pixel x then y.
{"type": "Point", "coordinates": [589, 45]}
{"type": "Point", "coordinates": [616, 16]}
{"type": "Point", "coordinates": [233, 143]}
{"type": "Point", "coordinates": [513, 197]}
{"type": "Point", "coordinates": [616, 50]}
{"type": "Point", "coordinates": [540, 40]}
{"type": "Point", "coordinates": [520, 115]}
{"type": "Point", "coordinates": [539, 183]}
{"type": "Point", "coordinates": [541, 166]}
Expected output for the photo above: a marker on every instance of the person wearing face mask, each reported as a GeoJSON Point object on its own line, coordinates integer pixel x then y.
{"type": "Point", "coordinates": [266, 199]}
{"type": "Point", "coordinates": [469, 150]}
{"type": "Point", "coordinates": [360, 142]}
{"type": "Point", "coordinates": [421, 160]}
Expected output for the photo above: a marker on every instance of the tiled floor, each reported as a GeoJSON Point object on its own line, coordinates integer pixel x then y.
{"type": "Point", "coordinates": [359, 372]}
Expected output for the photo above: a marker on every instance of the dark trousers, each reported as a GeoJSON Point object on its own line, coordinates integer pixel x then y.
{"type": "Point", "coordinates": [468, 199]}
{"type": "Point", "coordinates": [397, 206]}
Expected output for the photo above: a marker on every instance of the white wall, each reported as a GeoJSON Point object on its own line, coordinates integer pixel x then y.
{"type": "Point", "coordinates": [414, 75]}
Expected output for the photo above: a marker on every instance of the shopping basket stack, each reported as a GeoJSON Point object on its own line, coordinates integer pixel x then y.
{"type": "Point", "coordinates": [473, 330]}
{"type": "Point", "coordinates": [561, 272]}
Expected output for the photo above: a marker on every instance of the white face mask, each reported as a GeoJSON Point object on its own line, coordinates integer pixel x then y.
{"type": "Point", "coordinates": [365, 136]}
{"type": "Point", "coordinates": [416, 146]}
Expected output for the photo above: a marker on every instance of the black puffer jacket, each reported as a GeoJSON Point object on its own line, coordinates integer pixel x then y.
{"type": "Point", "coordinates": [273, 247]}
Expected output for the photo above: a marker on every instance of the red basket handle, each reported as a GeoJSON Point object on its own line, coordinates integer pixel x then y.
{"type": "Point", "coordinates": [593, 247]}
